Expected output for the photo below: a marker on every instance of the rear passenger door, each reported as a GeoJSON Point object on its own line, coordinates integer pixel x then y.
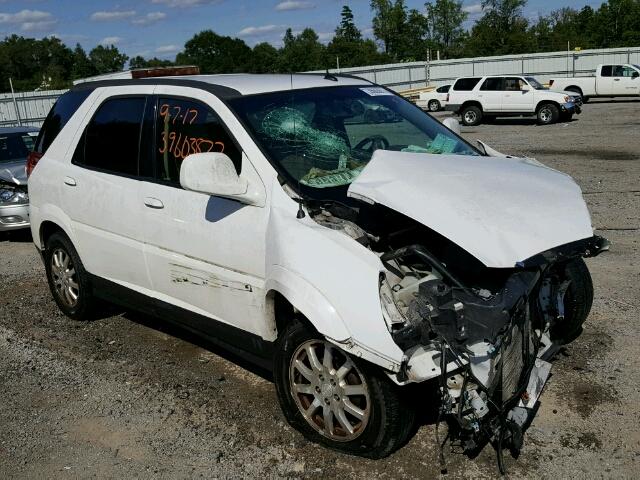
{"type": "Point", "coordinates": [604, 82]}
{"type": "Point", "coordinates": [204, 253]}
{"type": "Point", "coordinates": [490, 94]}
{"type": "Point", "coordinates": [102, 189]}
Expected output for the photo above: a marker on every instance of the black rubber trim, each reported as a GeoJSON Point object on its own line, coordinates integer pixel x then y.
{"type": "Point", "coordinates": [219, 91]}
{"type": "Point", "coordinates": [246, 345]}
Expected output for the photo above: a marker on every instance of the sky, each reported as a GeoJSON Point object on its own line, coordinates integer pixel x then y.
{"type": "Point", "coordinates": [159, 28]}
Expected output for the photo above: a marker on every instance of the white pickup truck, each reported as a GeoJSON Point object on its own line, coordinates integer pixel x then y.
{"type": "Point", "coordinates": [622, 80]}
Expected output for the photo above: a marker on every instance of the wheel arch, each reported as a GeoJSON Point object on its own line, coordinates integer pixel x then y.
{"type": "Point", "coordinates": [471, 103]}
{"type": "Point", "coordinates": [575, 88]}
{"type": "Point", "coordinates": [541, 103]}
{"type": "Point", "coordinates": [289, 296]}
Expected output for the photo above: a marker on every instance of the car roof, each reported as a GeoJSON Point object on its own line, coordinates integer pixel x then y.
{"type": "Point", "coordinates": [237, 85]}
{"type": "Point", "coordinates": [9, 130]}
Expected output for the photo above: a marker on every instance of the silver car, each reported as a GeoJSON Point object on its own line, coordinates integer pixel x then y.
{"type": "Point", "coordinates": [15, 145]}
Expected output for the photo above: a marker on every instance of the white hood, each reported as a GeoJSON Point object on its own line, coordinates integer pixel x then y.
{"type": "Point", "coordinates": [500, 210]}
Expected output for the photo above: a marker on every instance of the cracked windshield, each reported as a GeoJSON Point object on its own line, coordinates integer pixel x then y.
{"type": "Point", "coordinates": [325, 137]}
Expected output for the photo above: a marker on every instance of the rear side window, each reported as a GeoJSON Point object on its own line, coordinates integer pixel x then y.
{"type": "Point", "coordinates": [15, 146]}
{"type": "Point", "coordinates": [492, 84]}
{"type": "Point", "coordinates": [184, 127]}
{"type": "Point", "coordinates": [606, 71]}
{"type": "Point", "coordinates": [58, 117]}
{"type": "Point", "coordinates": [466, 84]}
{"type": "Point", "coordinates": [111, 141]}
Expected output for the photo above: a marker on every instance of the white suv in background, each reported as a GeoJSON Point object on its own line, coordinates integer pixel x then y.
{"type": "Point", "coordinates": [478, 98]}
{"type": "Point", "coordinates": [351, 257]}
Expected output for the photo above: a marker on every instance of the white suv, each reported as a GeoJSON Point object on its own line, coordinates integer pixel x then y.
{"type": "Point", "coordinates": [351, 257]}
{"type": "Point", "coordinates": [478, 98]}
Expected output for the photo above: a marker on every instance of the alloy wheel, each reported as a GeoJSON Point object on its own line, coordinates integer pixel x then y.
{"type": "Point", "coordinates": [64, 277]}
{"type": "Point", "coordinates": [329, 390]}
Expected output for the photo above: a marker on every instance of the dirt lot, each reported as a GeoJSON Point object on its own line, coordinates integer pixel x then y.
{"type": "Point", "coordinates": [129, 397]}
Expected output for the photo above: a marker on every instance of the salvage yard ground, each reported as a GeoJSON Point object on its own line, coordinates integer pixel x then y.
{"type": "Point", "coordinates": [128, 397]}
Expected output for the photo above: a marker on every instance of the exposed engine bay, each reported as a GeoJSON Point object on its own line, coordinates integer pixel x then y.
{"type": "Point", "coordinates": [485, 335]}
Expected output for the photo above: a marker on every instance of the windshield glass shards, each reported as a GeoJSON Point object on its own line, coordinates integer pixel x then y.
{"type": "Point", "coordinates": [323, 138]}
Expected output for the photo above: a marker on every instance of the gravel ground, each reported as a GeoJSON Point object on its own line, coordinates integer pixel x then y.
{"type": "Point", "coordinates": [129, 397]}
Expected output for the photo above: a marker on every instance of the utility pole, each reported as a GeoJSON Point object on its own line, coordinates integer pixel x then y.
{"type": "Point", "coordinates": [15, 103]}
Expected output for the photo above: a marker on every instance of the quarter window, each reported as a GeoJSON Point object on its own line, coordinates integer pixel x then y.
{"type": "Point", "coordinates": [184, 127]}
{"type": "Point", "coordinates": [111, 141]}
{"type": "Point", "coordinates": [466, 84]}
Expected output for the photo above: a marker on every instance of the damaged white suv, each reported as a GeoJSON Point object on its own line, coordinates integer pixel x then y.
{"type": "Point", "coordinates": [351, 256]}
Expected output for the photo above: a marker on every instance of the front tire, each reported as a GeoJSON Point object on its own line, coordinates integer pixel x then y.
{"type": "Point", "coordinates": [434, 105]}
{"type": "Point", "coordinates": [578, 300]}
{"type": "Point", "coordinates": [337, 400]}
{"type": "Point", "coordinates": [548, 113]}
{"type": "Point", "coordinates": [68, 280]}
{"type": "Point", "coordinates": [471, 116]}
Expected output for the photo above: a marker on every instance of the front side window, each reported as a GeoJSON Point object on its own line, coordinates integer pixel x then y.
{"type": "Point", "coordinates": [626, 72]}
{"type": "Point", "coordinates": [184, 127]}
{"type": "Point", "coordinates": [111, 141]}
{"type": "Point", "coordinates": [513, 84]}
{"type": "Point", "coordinates": [323, 138]}
{"type": "Point", "coordinates": [443, 89]}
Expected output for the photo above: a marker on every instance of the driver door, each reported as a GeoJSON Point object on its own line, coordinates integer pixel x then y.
{"type": "Point", "coordinates": [204, 253]}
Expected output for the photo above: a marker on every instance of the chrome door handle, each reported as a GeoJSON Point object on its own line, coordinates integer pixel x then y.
{"type": "Point", "coordinates": [70, 181]}
{"type": "Point", "coordinates": [153, 203]}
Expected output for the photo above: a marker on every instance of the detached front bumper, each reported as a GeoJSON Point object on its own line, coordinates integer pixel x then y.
{"type": "Point", "coordinates": [14, 217]}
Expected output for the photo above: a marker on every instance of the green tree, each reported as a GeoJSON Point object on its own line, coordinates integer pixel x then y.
{"type": "Point", "coordinates": [107, 59]}
{"type": "Point", "coordinates": [389, 19]}
{"type": "Point", "coordinates": [445, 19]}
{"type": "Point", "coordinates": [349, 47]}
{"type": "Point", "coordinates": [501, 30]}
{"type": "Point", "coordinates": [214, 53]}
{"type": "Point", "coordinates": [265, 58]}
{"type": "Point", "coordinates": [82, 66]}
{"type": "Point", "coordinates": [141, 62]}
{"type": "Point", "coordinates": [303, 52]}
{"type": "Point", "coordinates": [347, 29]}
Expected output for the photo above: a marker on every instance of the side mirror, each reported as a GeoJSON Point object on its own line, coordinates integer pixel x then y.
{"type": "Point", "coordinates": [213, 174]}
{"type": "Point", "coordinates": [452, 124]}
{"type": "Point", "coordinates": [525, 88]}
{"type": "Point", "coordinates": [635, 75]}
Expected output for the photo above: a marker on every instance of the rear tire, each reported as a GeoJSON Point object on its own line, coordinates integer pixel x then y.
{"type": "Point", "coordinates": [315, 402]}
{"type": "Point", "coordinates": [578, 300]}
{"type": "Point", "coordinates": [548, 113]}
{"type": "Point", "coordinates": [471, 116]}
{"type": "Point", "coordinates": [434, 105]}
{"type": "Point", "coordinates": [68, 280]}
